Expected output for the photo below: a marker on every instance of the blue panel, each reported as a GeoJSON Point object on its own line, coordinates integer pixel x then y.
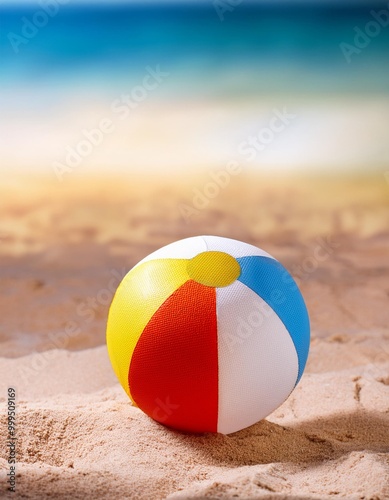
{"type": "Point", "coordinates": [272, 282]}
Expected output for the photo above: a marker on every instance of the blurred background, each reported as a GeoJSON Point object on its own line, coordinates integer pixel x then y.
{"type": "Point", "coordinates": [118, 117]}
{"type": "Point", "coordinates": [226, 66]}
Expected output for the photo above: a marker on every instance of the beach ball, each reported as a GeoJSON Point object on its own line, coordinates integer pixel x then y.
{"type": "Point", "coordinates": [208, 334]}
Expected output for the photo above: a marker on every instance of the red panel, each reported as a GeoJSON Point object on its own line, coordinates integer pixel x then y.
{"type": "Point", "coordinates": [173, 374]}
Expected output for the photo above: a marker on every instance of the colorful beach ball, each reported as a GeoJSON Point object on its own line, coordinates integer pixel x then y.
{"type": "Point", "coordinates": [208, 334]}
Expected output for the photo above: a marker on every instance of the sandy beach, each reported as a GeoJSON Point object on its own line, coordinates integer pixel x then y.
{"type": "Point", "coordinates": [64, 248]}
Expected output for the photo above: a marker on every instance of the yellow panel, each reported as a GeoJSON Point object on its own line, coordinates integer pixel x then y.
{"type": "Point", "coordinates": [143, 290]}
{"type": "Point", "coordinates": [214, 268]}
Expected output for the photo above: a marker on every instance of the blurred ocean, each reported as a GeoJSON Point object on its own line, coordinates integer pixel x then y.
{"type": "Point", "coordinates": [258, 48]}
{"type": "Point", "coordinates": [233, 73]}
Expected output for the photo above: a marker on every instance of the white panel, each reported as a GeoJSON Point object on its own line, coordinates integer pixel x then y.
{"type": "Point", "coordinates": [258, 363]}
{"type": "Point", "coordinates": [181, 249]}
{"type": "Point", "coordinates": [233, 247]}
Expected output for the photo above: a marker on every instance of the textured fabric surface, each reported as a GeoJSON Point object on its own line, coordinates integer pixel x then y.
{"type": "Point", "coordinates": [257, 360]}
{"type": "Point", "coordinates": [138, 297]}
{"type": "Point", "coordinates": [208, 334]}
{"type": "Point", "coordinates": [174, 370]}
{"type": "Point", "coordinates": [181, 249]}
{"type": "Point", "coordinates": [271, 281]}
{"type": "Point", "coordinates": [214, 269]}
{"type": "Point", "coordinates": [233, 247]}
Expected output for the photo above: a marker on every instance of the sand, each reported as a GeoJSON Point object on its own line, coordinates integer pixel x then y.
{"type": "Point", "coordinates": [64, 248]}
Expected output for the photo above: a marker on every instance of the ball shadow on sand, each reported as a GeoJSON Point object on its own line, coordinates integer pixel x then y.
{"type": "Point", "coordinates": [308, 442]}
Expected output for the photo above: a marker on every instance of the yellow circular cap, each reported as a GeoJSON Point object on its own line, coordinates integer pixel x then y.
{"type": "Point", "coordinates": [215, 269]}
